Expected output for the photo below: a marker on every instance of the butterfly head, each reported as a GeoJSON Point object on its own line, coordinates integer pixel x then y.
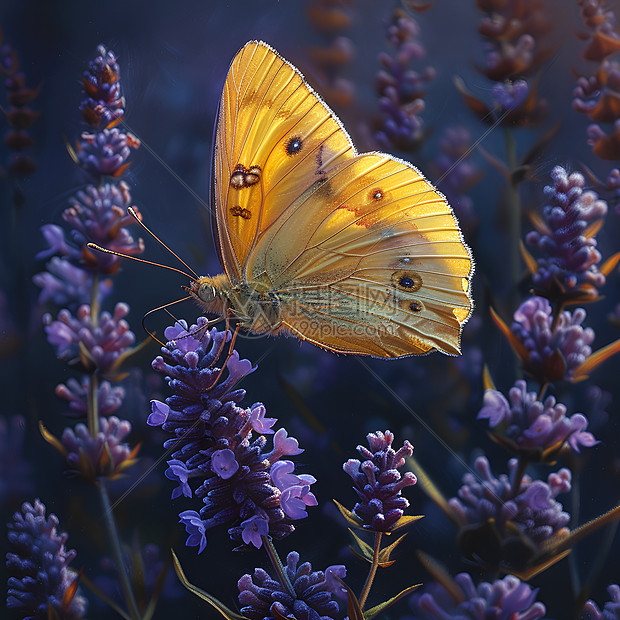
{"type": "Point", "coordinates": [209, 293]}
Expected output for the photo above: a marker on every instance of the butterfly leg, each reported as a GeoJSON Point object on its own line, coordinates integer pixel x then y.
{"type": "Point", "coordinates": [226, 329]}
{"type": "Point", "coordinates": [230, 352]}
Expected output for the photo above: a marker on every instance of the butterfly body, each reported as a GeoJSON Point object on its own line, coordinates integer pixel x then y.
{"type": "Point", "coordinates": [356, 253]}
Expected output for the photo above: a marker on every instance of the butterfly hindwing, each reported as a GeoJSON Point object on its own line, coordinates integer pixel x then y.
{"type": "Point", "coordinates": [382, 263]}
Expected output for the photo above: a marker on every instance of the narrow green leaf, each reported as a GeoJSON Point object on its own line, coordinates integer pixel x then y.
{"type": "Point", "coordinates": [406, 520]}
{"type": "Point", "coordinates": [371, 613]}
{"type": "Point", "coordinates": [384, 554]}
{"type": "Point", "coordinates": [354, 610]}
{"type": "Point", "coordinates": [225, 611]}
{"type": "Point", "coordinates": [98, 593]}
{"type": "Point", "coordinates": [351, 518]}
{"type": "Point", "coordinates": [429, 487]}
{"type": "Point", "coordinates": [362, 548]}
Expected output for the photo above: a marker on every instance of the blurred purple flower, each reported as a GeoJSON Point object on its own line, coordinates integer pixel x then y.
{"type": "Point", "coordinates": [510, 95]}
{"type": "Point", "coordinates": [15, 471]}
{"type": "Point", "coordinates": [106, 152]}
{"type": "Point", "coordinates": [109, 398]}
{"type": "Point", "coordinates": [456, 171]}
{"type": "Point", "coordinates": [400, 88]}
{"type": "Point", "coordinates": [145, 567]}
{"type": "Point", "coordinates": [99, 215]}
{"type": "Point", "coordinates": [38, 565]}
{"type": "Point", "coordinates": [552, 353]}
{"type": "Point", "coordinates": [66, 285]}
{"type": "Point", "coordinates": [104, 105]}
{"type": "Point", "coordinates": [531, 426]}
{"type": "Point", "coordinates": [504, 599]}
{"type": "Point", "coordinates": [611, 610]}
{"type": "Point", "coordinates": [103, 455]}
{"type": "Point", "coordinates": [532, 507]}
{"type": "Point", "coordinates": [262, 597]}
{"type": "Point", "coordinates": [212, 440]}
{"type": "Point", "coordinates": [568, 271]}
{"type": "Point", "coordinates": [100, 347]}
{"type": "Point", "coordinates": [378, 482]}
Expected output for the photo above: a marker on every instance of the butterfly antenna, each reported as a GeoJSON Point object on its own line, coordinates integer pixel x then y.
{"type": "Point", "coordinates": [164, 307]}
{"type": "Point", "coordinates": [94, 246]}
{"type": "Point", "coordinates": [136, 217]}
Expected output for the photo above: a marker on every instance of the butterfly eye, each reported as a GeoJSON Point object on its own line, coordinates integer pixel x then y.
{"type": "Point", "coordinates": [294, 145]}
{"type": "Point", "coordinates": [207, 292]}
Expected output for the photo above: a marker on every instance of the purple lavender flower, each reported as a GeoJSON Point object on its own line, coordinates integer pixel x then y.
{"type": "Point", "coordinates": [109, 398]}
{"type": "Point", "coordinates": [104, 105]}
{"type": "Point", "coordinates": [66, 285]}
{"type": "Point", "coordinates": [611, 611]}
{"type": "Point", "coordinates": [378, 482]}
{"type": "Point", "coordinates": [401, 88]}
{"type": "Point", "coordinates": [99, 215]}
{"type": "Point", "coordinates": [15, 471]}
{"type": "Point", "coordinates": [504, 599]}
{"type": "Point", "coordinates": [528, 425]}
{"type": "Point", "coordinates": [456, 171]}
{"type": "Point", "coordinates": [532, 507]}
{"type": "Point", "coordinates": [106, 152]}
{"type": "Point", "coordinates": [39, 567]}
{"type": "Point", "coordinates": [296, 495]}
{"type": "Point", "coordinates": [551, 354]}
{"type": "Point", "coordinates": [102, 456]}
{"type": "Point", "coordinates": [100, 347]}
{"type": "Point", "coordinates": [509, 96]}
{"type": "Point", "coordinates": [214, 453]}
{"type": "Point", "coordinates": [262, 597]}
{"type": "Point", "coordinates": [569, 269]}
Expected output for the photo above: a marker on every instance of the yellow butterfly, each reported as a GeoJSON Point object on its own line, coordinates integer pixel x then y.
{"type": "Point", "coordinates": [356, 253]}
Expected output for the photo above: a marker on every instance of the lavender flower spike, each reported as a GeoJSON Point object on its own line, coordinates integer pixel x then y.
{"type": "Point", "coordinates": [260, 595]}
{"type": "Point", "coordinates": [611, 611]}
{"type": "Point", "coordinates": [527, 425]}
{"type": "Point", "coordinates": [39, 567]}
{"type": "Point", "coordinates": [378, 482]}
{"type": "Point", "coordinates": [504, 599]}
{"type": "Point", "coordinates": [568, 270]}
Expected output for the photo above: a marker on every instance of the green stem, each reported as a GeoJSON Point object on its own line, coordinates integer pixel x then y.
{"type": "Point", "coordinates": [516, 485]}
{"type": "Point", "coordinates": [514, 212]}
{"type": "Point", "coordinates": [92, 410]}
{"type": "Point", "coordinates": [116, 550]}
{"type": "Point", "coordinates": [373, 570]}
{"type": "Point", "coordinates": [278, 566]}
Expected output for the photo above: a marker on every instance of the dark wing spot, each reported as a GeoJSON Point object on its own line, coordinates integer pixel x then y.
{"type": "Point", "coordinates": [241, 177]}
{"type": "Point", "coordinates": [376, 194]}
{"type": "Point", "coordinates": [246, 214]}
{"type": "Point", "coordinates": [294, 145]}
{"type": "Point", "coordinates": [407, 280]}
{"type": "Point", "coordinates": [415, 306]}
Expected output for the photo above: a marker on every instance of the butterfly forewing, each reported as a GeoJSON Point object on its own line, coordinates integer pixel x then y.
{"type": "Point", "coordinates": [275, 138]}
{"type": "Point", "coordinates": [362, 254]}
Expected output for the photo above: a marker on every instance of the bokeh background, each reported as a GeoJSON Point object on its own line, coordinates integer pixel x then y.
{"type": "Point", "coordinates": [173, 59]}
